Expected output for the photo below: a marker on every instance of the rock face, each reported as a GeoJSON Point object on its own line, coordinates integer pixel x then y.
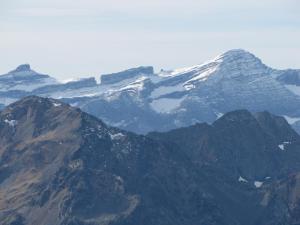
{"type": "Point", "coordinates": [240, 143]}
{"type": "Point", "coordinates": [127, 74]}
{"type": "Point", "coordinates": [62, 166]}
{"type": "Point", "coordinates": [290, 77]}
{"type": "Point", "coordinates": [59, 165]}
{"type": "Point", "coordinates": [22, 68]}
{"type": "Point", "coordinates": [24, 79]}
{"type": "Point", "coordinates": [141, 100]}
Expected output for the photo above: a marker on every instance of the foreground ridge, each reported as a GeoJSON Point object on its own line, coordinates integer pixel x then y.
{"type": "Point", "coordinates": [59, 165]}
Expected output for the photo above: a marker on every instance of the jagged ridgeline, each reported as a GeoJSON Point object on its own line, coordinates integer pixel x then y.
{"type": "Point", "coordinates": [142, 100]}
{"type": "Point", "coordinates": [61, 166]}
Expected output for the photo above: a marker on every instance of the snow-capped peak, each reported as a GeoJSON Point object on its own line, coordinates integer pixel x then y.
{"type": "Point", "coordinates": [238, 63]}
{"type": "Point", "coordinates": [235, 53]}
{"type": "Point", "coordinates": [238, 57]}
{"type": "Point", "coordinates": [231, 63]}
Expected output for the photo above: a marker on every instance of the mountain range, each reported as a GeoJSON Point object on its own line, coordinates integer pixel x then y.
{"type": "Point", "coordinates": [142, 100]}
{"type": "Point", "coordinates": [62, 166]}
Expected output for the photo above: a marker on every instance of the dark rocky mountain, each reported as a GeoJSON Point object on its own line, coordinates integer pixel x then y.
{"type": "Point", "coordinates": [241, 144]}
{"type": "Point", "coordinates": [59, 165]}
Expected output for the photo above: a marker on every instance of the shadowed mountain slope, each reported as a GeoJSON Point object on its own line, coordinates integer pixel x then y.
{"type": "Point", "coordinates": [59, 165]}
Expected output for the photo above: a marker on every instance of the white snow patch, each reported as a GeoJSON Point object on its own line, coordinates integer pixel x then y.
{"type": "Point", "coordinates": [11, 123]}
{"type": "Point", "coordinates": [166, 105]}
{"type": "Point", "coordinates": [55, 104]}
{"type": "Point", "coordinates": [219, 115]}
{"type": "Point", "coordinates": [74, 79]}
{"type": "Point", "coordinates": [136, 85]}
{"type": "Point", "coordinates": [241, 179]}
{"type": "Point", "coordinates": [258, 184]}
{"type": "Point", "coordinates": [116, 136]}
{"type": "Point", "coordinates": [293, 88]}
{"type": "Point", "coordinates": [282, 146]}
{"type": "Point", "coordinates": [203, 75]}
{"type": "Point", "coordinates": [292, 120]}
{"type": "Point", "coordinates": [163, 90]}
{"type": "Point", "coordinates": [189, 86]}
{"type": "Point", "coordinates": [207, 66]}
{"type": "Point", "coordinates": [184, 70]}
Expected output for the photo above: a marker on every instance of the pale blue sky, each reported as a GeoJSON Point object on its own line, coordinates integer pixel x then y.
{"type": "Point", "coordinates": [77, 38]}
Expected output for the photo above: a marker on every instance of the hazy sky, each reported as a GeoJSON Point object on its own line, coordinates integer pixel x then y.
{"type": "Point", "coordinates": [77, 38]}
